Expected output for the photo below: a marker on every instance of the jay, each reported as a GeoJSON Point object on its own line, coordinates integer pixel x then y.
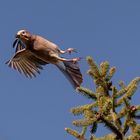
{"type": "Point", "coordinates": [34, 51]}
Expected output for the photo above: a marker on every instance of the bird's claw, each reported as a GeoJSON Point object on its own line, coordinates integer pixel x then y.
{"type": "Point", "coordinates": [74, 60]}
{"type": "Point", "coordinates": [70, 50]}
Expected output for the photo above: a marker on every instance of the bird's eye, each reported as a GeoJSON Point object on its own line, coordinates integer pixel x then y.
{"type": "Point", "coordinates": [23, 33]}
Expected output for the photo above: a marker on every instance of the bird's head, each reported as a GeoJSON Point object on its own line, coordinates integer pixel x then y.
{"type": "Point", "coordinates": [22, 38]}
{"type": "Point", "coordinates": [24, 35]}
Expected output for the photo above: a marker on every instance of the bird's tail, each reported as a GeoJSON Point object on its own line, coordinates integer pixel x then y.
{"type": "Point", "coordinates": [72, 72]}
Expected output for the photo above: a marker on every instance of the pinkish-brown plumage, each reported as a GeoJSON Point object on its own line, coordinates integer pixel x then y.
{"type": "Point", "coordinates": [33, 51]}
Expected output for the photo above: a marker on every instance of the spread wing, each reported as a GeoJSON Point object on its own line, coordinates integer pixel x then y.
{"type": "Point", "coordinates": [26, 63]}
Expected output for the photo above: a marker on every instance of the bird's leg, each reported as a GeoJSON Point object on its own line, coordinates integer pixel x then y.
{"type": "Point", "coordinates": [74, 60]}
{"type": "Point", "coordinates": [69, 50]}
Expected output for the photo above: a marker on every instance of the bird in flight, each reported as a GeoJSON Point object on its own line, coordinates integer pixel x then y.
{"type": "Point", "coordinates": [34, 51]}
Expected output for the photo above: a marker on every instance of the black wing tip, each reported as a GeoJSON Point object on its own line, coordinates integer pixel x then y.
{"type": "Point", "coordinates": [7, 62]}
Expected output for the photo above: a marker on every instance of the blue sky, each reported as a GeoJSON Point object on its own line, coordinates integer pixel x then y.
{"type": "Point", "coordinates": [38, 109]}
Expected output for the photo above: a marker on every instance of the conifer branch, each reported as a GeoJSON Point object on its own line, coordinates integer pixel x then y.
{"type": "Point", "coordinates": [93, 71]}
{"type": "Point", "coordinates": [122, 84]}
{"type": "Point", "coordinates": [81, 109]}
{"type": "Point", "coordinates": [104, 67]}
{"type": "Point", "coordinates": [87, 93]}
{"type": "Point", "coordinates": [92, 137]}
{"type": "Point", "coordinates": [93, 128]}
{"type": "Point", "coordinates": [112, 127]}
{"type": "Point", "coordinates": [72, 132]}
{"type": "Point", "coordinates": [84, 122]}
{"type": "Point", "coordinates": [111, 73]}
{"type": "Point", "coordinates": [75, 134]}
{"type": "Point", "coordinates": [104, 108]}
{"type": "Point", "coordinates": [84, 129]}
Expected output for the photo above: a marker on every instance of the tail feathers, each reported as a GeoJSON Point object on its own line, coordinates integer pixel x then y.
{"type": "Point", "coordinates": [72, 72]}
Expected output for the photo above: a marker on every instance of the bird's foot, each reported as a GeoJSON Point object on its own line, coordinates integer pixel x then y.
{"type": "Point", "coordinates": [70, 50]}
{"type": "Point", "coordinates": [74, 60]}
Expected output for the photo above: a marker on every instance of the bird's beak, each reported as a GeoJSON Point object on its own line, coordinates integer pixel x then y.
{"type": "Point", "coordinates": [17, 36]}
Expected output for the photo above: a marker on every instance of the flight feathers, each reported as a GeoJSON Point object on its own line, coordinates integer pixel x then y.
{"type": "Point", "coordinates": [71, 72]}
